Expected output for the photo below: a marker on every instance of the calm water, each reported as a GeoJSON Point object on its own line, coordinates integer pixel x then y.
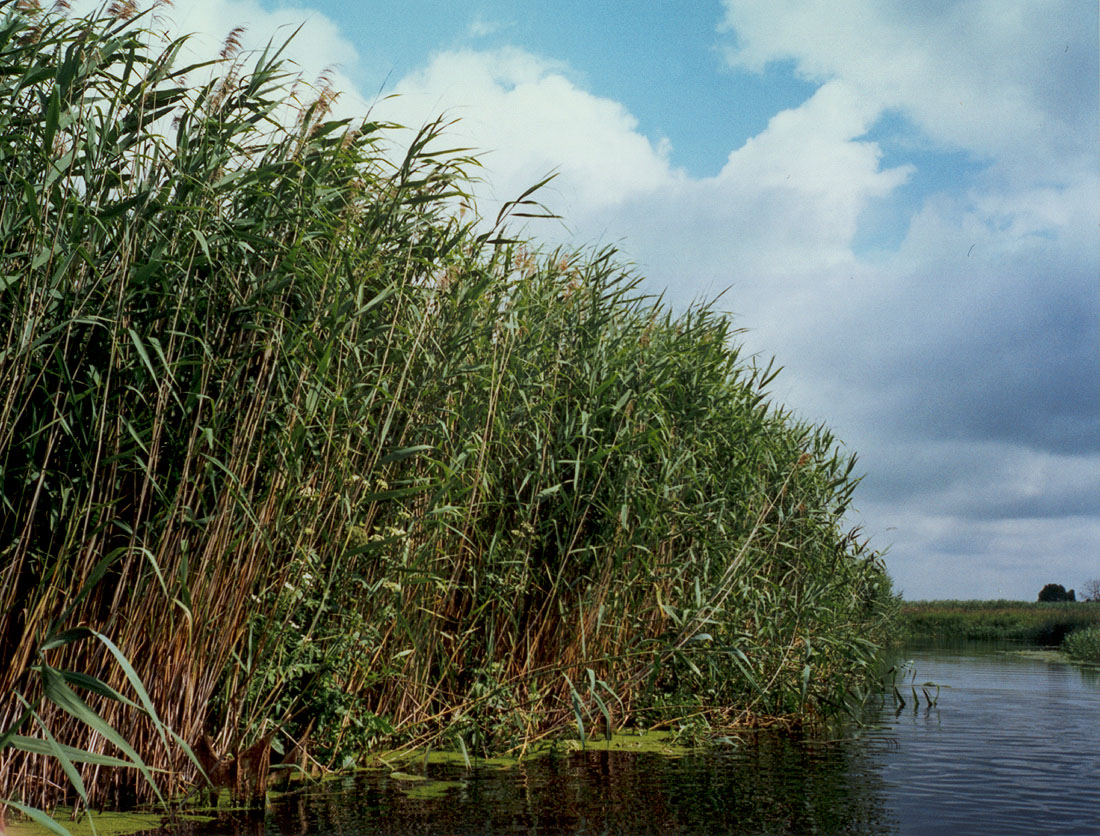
{"type": "Point", "coordinates": [1013, 746]}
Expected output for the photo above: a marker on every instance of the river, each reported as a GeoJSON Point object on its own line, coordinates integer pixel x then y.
{"type": "Point", "coordinates": [1011, 746]}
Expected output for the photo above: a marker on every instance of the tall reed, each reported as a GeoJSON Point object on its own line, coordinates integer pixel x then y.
{"type": "Point", "coordinates": [347, 464]}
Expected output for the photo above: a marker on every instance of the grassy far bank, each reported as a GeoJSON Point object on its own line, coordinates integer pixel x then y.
{"type": "Point", "coordinates": [1036, 623]}
{"type": "Point", "coordinates": [301, 459]}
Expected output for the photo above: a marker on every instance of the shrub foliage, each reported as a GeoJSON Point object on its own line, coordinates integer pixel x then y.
{"type": "Point", "coordinates": [1040, 623]}
{"type": "Point", "coordinates": [1084, 644]}
{"type": "Point", "coordinates": [1055, 592]}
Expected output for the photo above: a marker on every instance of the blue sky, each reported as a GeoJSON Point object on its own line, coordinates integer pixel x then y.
{"type": "Point", "coordinates": [899, 199]}
{"type": "Point", "coordinates": [663, 62]}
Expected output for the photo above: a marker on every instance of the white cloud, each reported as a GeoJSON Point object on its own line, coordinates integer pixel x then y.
{"type": "Point", "coordinates": [529, 119]}
{"type": "Point", "coordinates": [785, 204]}
{"type": "Point", "coordinates": [319, 44]}
{"type": "Point", "coordinates": [317, 48]}
{"type": "Point", "coordinates": [995, 78]}
{"type": "Point", "coordinates": [810, 176]}
{"type": "Point", "coordinates": [480, 27]}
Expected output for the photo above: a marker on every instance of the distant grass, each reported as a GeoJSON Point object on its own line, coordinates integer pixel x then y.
{"type": "Point", "coordinates": [1022, 621]}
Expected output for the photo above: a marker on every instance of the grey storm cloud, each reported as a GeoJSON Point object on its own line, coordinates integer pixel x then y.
{"type": "Point", "coordinates": [981, 480]}
{"type": "Point", "coordinates": [1023, 372]}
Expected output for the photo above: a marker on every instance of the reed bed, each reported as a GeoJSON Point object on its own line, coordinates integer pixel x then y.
{"type": "Point", "coordinates": [1039, 623]}
{"type": "Point", "coordinates": [1083, 644]}
{"type": "Point", "coordinates": [334, 463]}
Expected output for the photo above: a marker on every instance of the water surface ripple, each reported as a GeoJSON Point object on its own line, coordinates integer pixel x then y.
{"type": "Point", "coordinates": [1012, 746]}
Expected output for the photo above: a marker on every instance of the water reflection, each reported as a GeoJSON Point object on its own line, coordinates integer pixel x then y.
{"type": "Point", "coordinates": [1013, 746]}
{"type": "Point", "coordinates": [774, 785]}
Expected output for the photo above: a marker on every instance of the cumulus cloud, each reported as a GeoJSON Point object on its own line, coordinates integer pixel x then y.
{"type": "Point", "coordinates": [954, 362]}
{"type": "Point", "coordinates": [785, 204]}
{"type": "Point", "coordinates": [970, 352]}
{"type": "Point", "coordinates": [318, 43]}
{"type": "Point", "coordinates": [480, 27]}
{"type": "Point", "coordinates": [788, 201]}
{"type": "Point", "coordinates": [529, 119]}
{"type": "Point", "coordinates": [1001, 79]}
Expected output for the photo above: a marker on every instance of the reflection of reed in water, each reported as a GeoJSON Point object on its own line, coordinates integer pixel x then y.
{"type": "Point", "coordinates": [774, 783]}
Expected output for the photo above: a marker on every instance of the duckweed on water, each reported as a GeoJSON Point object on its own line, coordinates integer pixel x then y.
{"type": "Point", "coordinates": [421, 785]}
{"type": "Point", "coordinates": [106, 824]}
{"type": "Point", "coordinates": [432, 789]}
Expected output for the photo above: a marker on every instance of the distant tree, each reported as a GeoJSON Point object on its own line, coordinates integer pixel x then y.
{"type": "Point", "coordinates": [1091, 590]}
{"type": "Point", "coordinates": [1056, 592]}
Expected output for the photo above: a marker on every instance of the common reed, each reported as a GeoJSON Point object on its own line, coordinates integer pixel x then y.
{"type": "Point", "coordinates": [1083, 644]}
{"type": "Point", "coordinates": [339, 464]}
{"type": "Point", "coordinates": [1040, 623]}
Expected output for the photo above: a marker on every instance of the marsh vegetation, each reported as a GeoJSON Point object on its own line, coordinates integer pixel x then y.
{"type": "Point", "coordinates": [1074, 627]}
{"type": "Point", "coordinates": [300, 456]}
{"type": "Point", "coordinates": [1035, 623]}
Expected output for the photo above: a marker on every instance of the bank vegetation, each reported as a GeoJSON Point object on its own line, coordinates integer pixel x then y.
{"type": "Point", "coordinates": [301, 457]}
{"type": "Point", "coordinates": [1030, 622]}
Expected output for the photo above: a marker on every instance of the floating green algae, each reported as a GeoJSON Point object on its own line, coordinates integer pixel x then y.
{"type": "Point", "coordinates": [405, 776]}
{"type": "Point", "coordinates": [658, 742]}
{"type": "Point", "coordinates": [106, 824]}
{"type": "Point", "coordinates": [405, 767]}
{"type": "Point", "coordinates": [428, 789]}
